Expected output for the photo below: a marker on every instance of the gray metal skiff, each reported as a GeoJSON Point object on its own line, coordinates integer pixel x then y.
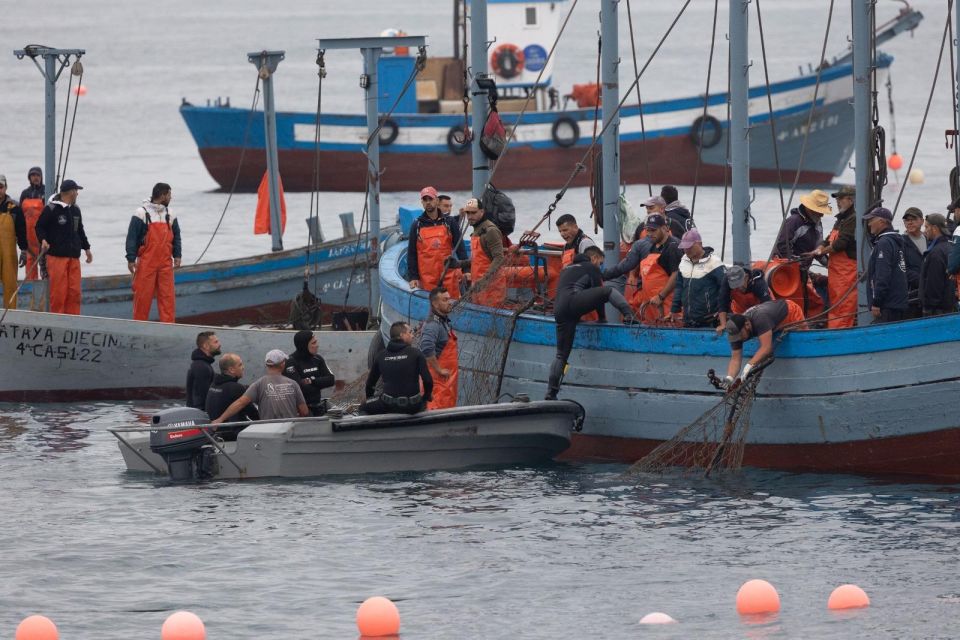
{"type": "Point", "coordinates": [497, 434]}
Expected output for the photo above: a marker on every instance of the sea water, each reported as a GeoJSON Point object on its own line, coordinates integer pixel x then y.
{"type": "Point", "coordinates": [557, 551]}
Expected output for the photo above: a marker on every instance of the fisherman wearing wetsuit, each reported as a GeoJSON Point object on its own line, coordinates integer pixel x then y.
{"type": "Point", "coordinates": [580, 290]}
{"type": "Point", "coordinates": [403, 368]}
{"type": "Point", "coordinates": [310, 371]}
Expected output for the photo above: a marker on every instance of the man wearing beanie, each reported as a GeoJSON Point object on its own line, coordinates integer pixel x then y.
{"type": "Point", "coordinates": [310, 371]}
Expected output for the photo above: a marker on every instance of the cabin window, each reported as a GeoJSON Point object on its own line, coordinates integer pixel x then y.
{"type": "Point", "coordinates": [531, 16]}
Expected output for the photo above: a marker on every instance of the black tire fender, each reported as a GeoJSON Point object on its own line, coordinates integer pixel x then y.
{"type": "Point", "coordinates": [555, 132]}
{"type": "Point", "coordinates": [712, 132]}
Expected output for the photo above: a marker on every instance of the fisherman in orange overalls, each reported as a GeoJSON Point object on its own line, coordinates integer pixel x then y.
{"type": "Point", "coordinates": [657, 272]}
{"type": "Point", "coordinates": [433, 237]}
{"type": "Point", "coordinates": [438, 343]}
{"type": "Point", "coordinates": [61, 234]}
{"type": "Point", "coordinates": [487, 277]}
{"type": "Point", "coordinates": [153, 252]}
{"type": "Point", "coordinates": [11, 235]}
{"type": "Point", "coordinates": [32, 200]}
{"type": "Point", "coordinates": [841, 247]}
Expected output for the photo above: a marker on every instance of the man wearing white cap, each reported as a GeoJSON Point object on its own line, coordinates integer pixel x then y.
{"type": "Point", "coordinates": [276, 396]}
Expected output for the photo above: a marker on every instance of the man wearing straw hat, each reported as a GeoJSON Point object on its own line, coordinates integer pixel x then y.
{"type": "Point", "coordinates": [841, 248]}
{"type": "Point", "coordinates": [801, 234]}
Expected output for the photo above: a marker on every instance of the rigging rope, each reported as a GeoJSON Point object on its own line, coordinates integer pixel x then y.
{"type": "Point", "coordinates": [813, 108]}
{"type": "Point", "coordinates": [643, 127]}
{"type": "Point", "coordinates": [236, 177]}
{"type": "Point", "coordinates": [596, 212]}
{"type": "Point", "coordinates": [955, 88]}
{"type": "Point", "coordinates": [315, 193]}
{"type": "Point", "coordinates": [536, 85]}
{"type": "Point", "coordinates": [926, 111]}
{"type": "Point", "coordinates": [773, 124]}
{"type": "Point", "coordinates": [706, 102]}
{"type": "Point", "coordinates": [75, 70]}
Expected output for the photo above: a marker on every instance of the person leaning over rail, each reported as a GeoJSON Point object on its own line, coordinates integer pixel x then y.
{"type": "Point", "coordinates": [759, 321]}
{"type": "Point", "coordinates": [699, 279]}
{"type": "Point", "coordinates": [200, 374]}
{"type": "Point", "coordinates": [153, 251]}
{"type": "Point", "coordinates": [741, 289]}
{"type": "Point", "coordinates": [12, 234]}
{"type": "Point", "coordinates": [914, 246]}
{"type": "Point", "coordinates": [61, 234]}
{"type": "Point", "coordinates": [276, 396]}
{"type": "Point", "coordinates": [886, 269]}
{"type": "Point", "coordinates": [438, 343]}
{"type": "Point", "coordinates": [938, 291]}
{"type": "Point", "coordinates": [488, 283]}
{"type": "Point", "coordinates": [403, 368]}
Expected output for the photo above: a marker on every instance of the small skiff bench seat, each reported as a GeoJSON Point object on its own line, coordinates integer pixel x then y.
{"type": "Point", "coordinates": [457, 414]}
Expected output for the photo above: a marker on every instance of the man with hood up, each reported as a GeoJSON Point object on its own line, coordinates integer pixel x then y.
{"type": "Point", "coordinates": [31, 203]}
{"type": "Point", "coordinates": [310, 371]}
{"type": "Point", "coordinates": [153, 252]}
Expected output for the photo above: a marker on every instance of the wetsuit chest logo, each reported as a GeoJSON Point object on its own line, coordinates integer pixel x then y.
{"type": "Point", "coordinates": [61, 219]}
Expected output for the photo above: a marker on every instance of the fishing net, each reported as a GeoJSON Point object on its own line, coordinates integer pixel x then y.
{"type": "Point", "coordinates": [715, 441]}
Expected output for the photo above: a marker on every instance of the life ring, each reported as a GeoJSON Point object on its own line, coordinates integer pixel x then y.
{"type": "Point", "coordinates": [559, 138]}
{"type": "Point", "coordinates": [507, 61]}
{"type": "Point", "coordinates": [388, 131]}
{"type": "Point", "coordinates": [457, 148]}
{"type": "Point", "coordinates": [712, 132]}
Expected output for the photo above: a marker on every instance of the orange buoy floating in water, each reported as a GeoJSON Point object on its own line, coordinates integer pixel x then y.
{"type": "Point", "coordinates": [378, 616]}
{"type": "Point", "coordinates": [657, 618]}
{"type": "Point", "coordinates": [848, 596]}
{"type": "Point", "coordinates": [757, 596]}
{"type": "Point", "coordinates": [37, 628]}
{"type": "Point", "coordinates": [80, 90]}
{"type": "Point", "coordinates": [183, 625]}
{"type": "Point", "coordinates": [895, 161]}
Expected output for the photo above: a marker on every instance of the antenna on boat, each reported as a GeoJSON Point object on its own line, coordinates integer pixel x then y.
{"type": "Point", "coordinates": [266, 63]}
{"type": "Point", "coordinates": [372, 48]}
{"type": "Point", "coordinates": [740, 131]}
{"type": "Point", "coordinates": [862, 19]}
{"type": "Point", "coordinates": [54, 62]}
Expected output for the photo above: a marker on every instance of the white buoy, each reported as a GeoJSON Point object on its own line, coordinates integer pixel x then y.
{"type": "Point", "coordinates": [657, 618]}
{"type": "Point", "coordinates": [916, 176]}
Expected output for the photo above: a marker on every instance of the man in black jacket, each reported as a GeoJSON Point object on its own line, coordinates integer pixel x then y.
{"type": "Point", "coordinates": [225, 389]}
{"type": "Point", "coordinates": [61, 234]}
{"type": "Point", "coordinates": [310, 371]}
{"type": "Point", "coordinates": [200, 374]}
{"type": "Point", "coordinates": [914, 246]}
{"type": "Point", "coordinates": [403, 368]}
{"type": "Point", "coordinates": [580, 289]}
{"type": "Point", "coordinates": [886, 269]}
{"type": "Point", "coordinates": [938, 292]}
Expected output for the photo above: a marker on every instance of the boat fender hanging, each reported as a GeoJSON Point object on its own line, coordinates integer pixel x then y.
{"type": "Point", "coordinates": [565, 131]}
{"type": "Point", "coordinates": [457, 142]}
{"type": "Point", "coordinates": [712, 132]}
{"type": "Point", "coordinates": [507, 60]}
{"type": "Point", "coordinates": [388, 131]}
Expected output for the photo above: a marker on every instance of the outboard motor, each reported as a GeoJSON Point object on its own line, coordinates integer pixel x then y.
{"type": "Point", "coordinates": [187, 452]}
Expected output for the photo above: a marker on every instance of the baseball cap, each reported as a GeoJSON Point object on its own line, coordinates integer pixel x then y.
{"type": "Point", "coordinates": [428, 191]}
{"type": "Point", "coordinates": [938, 220]}
{"type": "Point", "coordinates": [472, 203]}
{"type": "Point", "coordinates": [655, 221]}
{"type": "Point", "coordinates": [3, 180]}
{"type": "Point", "coordinates": [69, 185]}
{"type": "Point", "coordinates": [655, 201]}
{"type": "Point", "coordinates": [844, 191]}
{"type": "Point", "coordinates": [275, 357]}
{"type": "Point", "coordinates": [735, 324]}
{"type": "Point", "coordinates": [735, 276]}
{"type": "Point", "coordinates": [879, 212]}
{"type": "Point", "coordinates": [912, 212]}
{"type": "Point", "coordinates": [689, 239]}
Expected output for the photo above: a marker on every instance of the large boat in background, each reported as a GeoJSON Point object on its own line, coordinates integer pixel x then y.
{"type": "Point", "coordinates": [687, 136]}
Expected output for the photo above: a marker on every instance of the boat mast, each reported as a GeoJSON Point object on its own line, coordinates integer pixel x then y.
{"type": "Point", "coordinates": [372, 48]}
{"type": "Point", "coordinates": [266, 63]}
{"type": "Point", "coordinates": [740, 131]}
{"type": "Point", "coordinates": [478, 65]}
{"type": "Point", "coordinates": [610, 99]}
{"type": "Point", "coordinates": [51, 73]}
{"type": "Point", "coordinates": [862, 139]}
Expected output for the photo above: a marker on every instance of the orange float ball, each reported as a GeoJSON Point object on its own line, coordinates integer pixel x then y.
{"type": "Point", "coordinates": [895, 161]}
{"type": "Point", "coordinates": [37, 628]}
{"type": "Point", "coordinates": [80, 90]}
{"type": "Point", "coordinates": [378, 616]}
{"type": "Point", "coordinates": [848, 596]}
{"type": "Point", "coordinates": [183, 625]}
{"type": "Point", "coordinates": [757, 596]}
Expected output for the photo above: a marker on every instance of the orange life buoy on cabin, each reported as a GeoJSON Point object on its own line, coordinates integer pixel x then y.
{"type": "Point", "coordinates": [507, 61]}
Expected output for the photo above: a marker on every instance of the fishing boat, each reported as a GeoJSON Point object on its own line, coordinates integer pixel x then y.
{"type": "Point", "coordinates": [177, 444]}
{"type": "Point", "coordinates": [50, 357]}
{"type": "Point", "coordinates": [674, 141]}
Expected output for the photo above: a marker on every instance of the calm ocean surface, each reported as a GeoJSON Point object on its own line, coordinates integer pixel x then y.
{"type": "Point", "coordinates": [560, 551]}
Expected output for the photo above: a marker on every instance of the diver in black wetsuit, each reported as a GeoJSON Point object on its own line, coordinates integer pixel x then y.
{"type": "Point", "coordinates": [402, 366]}
{"type": "Point", "coordinates": [309, 369]}
{"type": "Point", "coordinates": [580, 289]}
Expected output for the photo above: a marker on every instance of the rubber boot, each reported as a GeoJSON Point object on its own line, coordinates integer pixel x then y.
{"type": "Point", "coordinates": [556, 376]}
{"type": "Point", "coordinates": [621, 305]}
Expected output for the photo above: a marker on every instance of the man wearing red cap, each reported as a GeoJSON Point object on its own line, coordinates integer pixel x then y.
{"type": "Point", "coordinates": [434, 237]}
